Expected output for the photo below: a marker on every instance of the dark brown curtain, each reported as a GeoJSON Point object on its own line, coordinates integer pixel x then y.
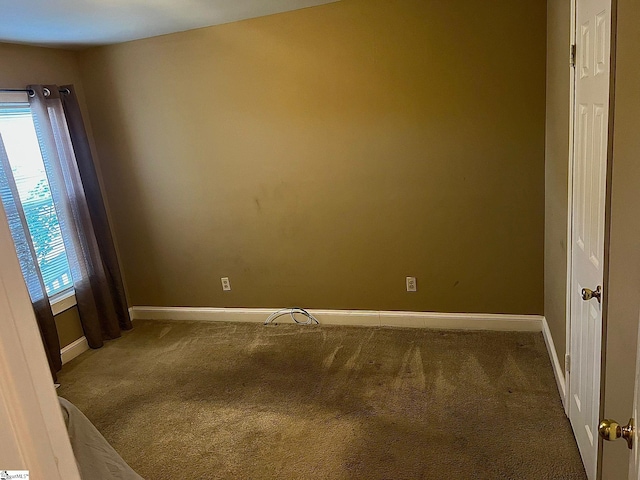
{"type": "Point", "coordinates": [28, 262]}
{"type": "Point", "coordinates": [81, 213]}
{"type": "Point", "coordinates": [97, 211]}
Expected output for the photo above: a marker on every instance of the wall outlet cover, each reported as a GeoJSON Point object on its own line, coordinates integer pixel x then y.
{"type": "Point", "coordinates": [412, 286]}
{"type": "Point", "coordinates": [226, 284]}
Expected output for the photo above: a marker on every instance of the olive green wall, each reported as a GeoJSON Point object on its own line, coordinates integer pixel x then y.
{"type": "Point", "coordinates": [23, 65]}
{"type": "Point", "coordinates": [557, 170]}
{"type": "Point", "coordinates": [622, 286]}
{"type": "Point", "coordinates": [318, 157]}
{"type": "Point", "coordinates": [68, 326]}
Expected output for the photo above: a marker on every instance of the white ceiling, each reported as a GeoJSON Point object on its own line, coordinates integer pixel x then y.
{"type": "Point", "coordinates": [79, 23]}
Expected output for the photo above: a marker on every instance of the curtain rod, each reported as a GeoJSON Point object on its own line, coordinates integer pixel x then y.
{"type": "Point", "coordinates": [30, 92]}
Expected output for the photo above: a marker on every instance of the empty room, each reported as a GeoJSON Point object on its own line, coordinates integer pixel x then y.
{"type": "Point", "coordinates": [319, 239]}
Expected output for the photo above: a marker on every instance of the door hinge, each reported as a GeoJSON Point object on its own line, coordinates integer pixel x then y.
{"type": "Point", "coordinates": [572, 55]}
{"type": "Point", "coordinates": [567, 363]}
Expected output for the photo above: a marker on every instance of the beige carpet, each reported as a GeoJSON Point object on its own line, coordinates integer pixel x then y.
{"type": "Point", "coordinates": [219, 400]}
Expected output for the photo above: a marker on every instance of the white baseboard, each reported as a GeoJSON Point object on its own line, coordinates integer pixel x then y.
{"type": "Point", "coordinates": [370, 318]}
{"type": "Point", "coordinates": [74, 349]}
{"type": "Point", "coordinates": [558, 371]}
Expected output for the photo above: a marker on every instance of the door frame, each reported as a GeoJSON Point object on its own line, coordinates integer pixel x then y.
{"type": "Point", "coordinates": [607, 221]}
{"type": "Point", "coordinates": [607, 213]}
{"type": "Point", "coordinates": [34, 436]}
{"type": "Point", "coordinates": [572, 109]}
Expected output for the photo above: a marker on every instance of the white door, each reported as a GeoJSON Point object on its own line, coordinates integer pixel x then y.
{"type": "Point", "coordinates": [593, 33]}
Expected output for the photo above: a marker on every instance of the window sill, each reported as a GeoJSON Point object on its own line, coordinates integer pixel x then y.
{"type": "Point", "coordinates": [63, 301]}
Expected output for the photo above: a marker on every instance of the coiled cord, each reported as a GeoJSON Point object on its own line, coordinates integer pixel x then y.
{"type": "Point", "coordinates": [293, 311]}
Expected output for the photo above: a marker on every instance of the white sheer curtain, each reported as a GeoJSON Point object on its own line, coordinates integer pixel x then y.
{"type": "Point", "coordinates": [76, 195]}
{"type": "Point", "coordinates": [28, 261]}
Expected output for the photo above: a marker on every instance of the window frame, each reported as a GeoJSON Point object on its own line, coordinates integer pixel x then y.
{"type": "Point", "coordinates": [63, 301]}
{"type": "Point", "coordinates": [66, 299]}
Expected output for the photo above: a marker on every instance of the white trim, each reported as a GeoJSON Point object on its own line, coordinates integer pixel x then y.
{"type": "Point", "coordinates": [462, 321]}
{"type": "Point", "coordinates": [63, 301]}
{"type": "Point", "coordinates": [74, 349]}
{"type": "Point", "coordinates": [34, 436]}
{"type": "Point", "coordinates": [558, 371]}
{"type": "Point", "coordinates": [370, 318]}
{"type": "Point", "coordinates": [14, 97]}
{"type": "Point", "coordinates": [572, 112]}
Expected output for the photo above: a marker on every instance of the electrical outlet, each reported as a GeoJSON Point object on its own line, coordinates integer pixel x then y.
{"type": "Point", "coordinates": [226, 284]}
{"type": "Point", "coordinates": [412, 286]}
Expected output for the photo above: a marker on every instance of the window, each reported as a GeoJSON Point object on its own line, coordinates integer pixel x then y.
{"type": "Point", "coordinates": [23, 150]}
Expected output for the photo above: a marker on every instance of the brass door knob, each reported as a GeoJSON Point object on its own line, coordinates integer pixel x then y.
{"type": "Point", "coordinates": [588, 294]}
{"type": "Point", "coordinates": [611, 430]}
